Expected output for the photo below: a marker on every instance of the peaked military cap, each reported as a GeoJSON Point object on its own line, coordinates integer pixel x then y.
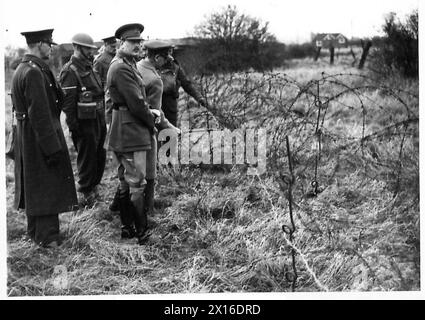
{"type": "Point", "coordinates": [37, 36]}
{"type": "Point", "coordinates": [109, 40]}
{"type": "Point", "coordinates": [130, 31]}
{"type": "Point", "coordinates": [157, 45]}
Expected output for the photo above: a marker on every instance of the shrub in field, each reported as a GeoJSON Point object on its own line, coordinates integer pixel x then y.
{"type": "Point", "coordinates": [234, 41]}
{"type": "Point", "coordinates": [300, 51]}
{"type": "Point", "coordinates": [398, 49]}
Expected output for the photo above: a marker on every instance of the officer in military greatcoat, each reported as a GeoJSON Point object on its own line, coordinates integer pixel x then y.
{"type": "Point", "coordinates": [44, 182]}
{"type": "Point", "coordinates": [101, 63]}
{"type": "Point", "coordinates": [157, 54]}
{"type": "Point", "coordinates": [84, 107]}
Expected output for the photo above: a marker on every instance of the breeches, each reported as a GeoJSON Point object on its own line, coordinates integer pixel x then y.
{"type": "Point", "coordinates": [135, 167]}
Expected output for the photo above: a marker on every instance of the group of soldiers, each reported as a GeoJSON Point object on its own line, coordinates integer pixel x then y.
{"type": "Point", "coordinates": [116, 102]}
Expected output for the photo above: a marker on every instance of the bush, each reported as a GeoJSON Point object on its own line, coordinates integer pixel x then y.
{"type": "Point", "coordinates": [231, 41]}
{"type": "Point", "coordinates": [300, 51]}
{"type": "Point", "coordinates": [398, 50]}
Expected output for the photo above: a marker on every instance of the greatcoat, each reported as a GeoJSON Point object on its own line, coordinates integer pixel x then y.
{"type": "Point", "coordinates": [40, 188]}
{"type": "Point", "coordinates": [153, 88]}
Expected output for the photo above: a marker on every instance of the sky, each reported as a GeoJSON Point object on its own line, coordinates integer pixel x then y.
{"type": "Point", "coordinates": [291, 21]}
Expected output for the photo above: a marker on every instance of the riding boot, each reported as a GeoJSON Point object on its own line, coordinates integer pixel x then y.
{"type": "Point", "coordinates": [114, 206]}
{"type": "Point", "coordinates": [149, 196]}
{"type": "Point", "coordinates": [126, 215]}
{"type": "Point", "coordinates": [140, 219]}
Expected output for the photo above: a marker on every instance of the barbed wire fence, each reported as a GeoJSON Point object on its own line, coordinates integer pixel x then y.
{"type": "Point", "coordinates": [337, 123]}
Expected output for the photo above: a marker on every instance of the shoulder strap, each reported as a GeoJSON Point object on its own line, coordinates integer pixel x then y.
{"type": "Point", "coordinates": [77, 74]}
{"type": "Point", "coordinates": [33, 64]}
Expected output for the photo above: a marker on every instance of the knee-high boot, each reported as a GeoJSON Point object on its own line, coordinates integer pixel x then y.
{"type": "Point", "coordinates": [140, 218]}
{"type": "Point", "coordinates": [126, 215]}
{"type": "Point", "coordinates": [149, 196]}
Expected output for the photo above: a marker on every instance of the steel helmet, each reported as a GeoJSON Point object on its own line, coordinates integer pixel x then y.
{"type": "Point", "coordinates": [83, 39]}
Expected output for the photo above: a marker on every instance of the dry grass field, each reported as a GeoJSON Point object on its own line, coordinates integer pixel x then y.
{"type": "Point", "coordinates": [217, 229]}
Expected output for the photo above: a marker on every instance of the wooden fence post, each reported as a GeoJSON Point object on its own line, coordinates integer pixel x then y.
{"type": "Point", "coordinates": [332, 53]}
{"type": "Point", "coordinates": [366, 46]}
{"type": "Point", "coordinates": [317, 53]}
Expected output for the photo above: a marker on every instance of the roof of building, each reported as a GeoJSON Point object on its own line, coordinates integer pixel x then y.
{"type": "Point", "coordinates": [328, 36]}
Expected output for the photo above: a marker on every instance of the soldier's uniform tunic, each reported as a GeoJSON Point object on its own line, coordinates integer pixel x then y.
{"type": "Point", "coordinates": [88, 135]}
{"type": "Point", "coordinates": [173, 77]}
{"type": "Point", "coordinates": [101, 66]}
{"type": "Point", "coordinates": [131, 136]}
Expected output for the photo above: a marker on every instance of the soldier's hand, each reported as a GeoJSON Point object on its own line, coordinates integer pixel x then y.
{"type": "Point", "coordinates": [54, 159]}
{"type": "Point", "coordinates": [177, 130]}
{"type": "Point", "coordinates": [155, 112]}
{"type": "Point", "coordinates": [202, 102]}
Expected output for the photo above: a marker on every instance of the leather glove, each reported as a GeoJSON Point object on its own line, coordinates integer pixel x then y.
{"type": "Point", "coordinates": [54, 159]}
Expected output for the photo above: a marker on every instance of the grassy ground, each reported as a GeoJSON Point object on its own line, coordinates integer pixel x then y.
{"type": "Point", "coordinates": [218, 230]}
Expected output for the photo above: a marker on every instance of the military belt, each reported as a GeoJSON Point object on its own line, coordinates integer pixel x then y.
{"type": "Point", "coordinates": [122, 107]}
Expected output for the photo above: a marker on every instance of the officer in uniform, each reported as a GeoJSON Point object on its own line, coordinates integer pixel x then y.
{"type": "Point", "coordinates": [102, 61]}
{"type": "Point", "coordinates": [44, 182]}
{"type": "Point", "coordinates": [131, 135]}
{"type": "Point", "coordinates": [157, 54]}
{"type": "Point", "coordinates": [85, 115]}
{"type": "Point", "coordinates": [173, 76]}
{"type": "Point", "coordinates": [101, 66]}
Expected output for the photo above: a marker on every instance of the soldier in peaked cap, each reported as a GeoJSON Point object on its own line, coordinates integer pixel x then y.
{"type": "Point", "coordinates": [101, 66]}
{"type": "Point", "coordinates": [101, 63]}
{"type": "Point", "coordinates": [173, 77]}
{"type": "Point", "coordinates": [44, 182]}
{"type": "Point", "coordinates": [132, 131]}
{"type": "Point", "coordinates": [84, 107]}
{"type": "Point", "coordinates": [157, 54]}
{"type": "Point", "coordinates": [127, 32]}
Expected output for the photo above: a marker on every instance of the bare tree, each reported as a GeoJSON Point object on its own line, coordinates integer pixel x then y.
{"type": "Point", "coordinates": [229, 25]}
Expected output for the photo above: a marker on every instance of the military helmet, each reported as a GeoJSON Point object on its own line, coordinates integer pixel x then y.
{"type": "Point", "coordinates": [83, 39]}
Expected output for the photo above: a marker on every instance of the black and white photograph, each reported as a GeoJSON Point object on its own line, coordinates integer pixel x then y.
{"type": "Point", "coordinates": [210, 149]}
